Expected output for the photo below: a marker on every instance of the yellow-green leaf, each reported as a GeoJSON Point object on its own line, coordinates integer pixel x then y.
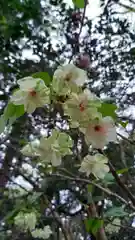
{"type": "Point", "coordinates": [108, 109]}
{"type": "Point", "coordinates": [93, 225]}
{"type": "Point", "coordinates": [44, 76]}
{"type": "Point", "coordinates": [121, 171]}
{"type": "Point", "coordinates": [79, 3]}
{"type": "Point", "coordinates": [123, 124]}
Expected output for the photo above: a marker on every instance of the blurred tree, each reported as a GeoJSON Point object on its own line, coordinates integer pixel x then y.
{"type": "Point", "coordinates": [37, 36]}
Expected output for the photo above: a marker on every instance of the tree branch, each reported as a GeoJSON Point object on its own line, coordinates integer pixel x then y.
{"type": "Point", "coordinates": [107, 191]}
{"type": "Point", "coordinates": [121, 184]}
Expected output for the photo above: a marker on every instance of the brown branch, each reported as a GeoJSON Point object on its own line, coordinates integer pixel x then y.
{"type": "Point", "coordinates": [92, 212]}
{"type": "Point", "coordinates": [107, 191]}
{"type": "Point", "coordinates": [82, 22]}
{"type": "Point", "coordinates": [121, 184]}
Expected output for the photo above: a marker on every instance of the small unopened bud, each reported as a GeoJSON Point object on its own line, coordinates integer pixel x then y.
{"type": "Point", "coordinates": [83, 61]}
{"type": "Point", "coordinates": [76, 16]}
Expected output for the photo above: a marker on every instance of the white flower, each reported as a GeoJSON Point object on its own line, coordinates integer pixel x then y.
{"type": "Point", "coordinates": [95, 164]}
{"type": "Point", "coordinates": [100, 132]}
{"type": "Point", "coordinates": [82, 108]}
{"type": "Point", "coordinates": [26, 221]}
{"type": "Point", "coordinates": [67, 79]}
{"type": "Point", "coordinates": [32, 94]}
{"type": "Point", "coordinates": [42, 233]}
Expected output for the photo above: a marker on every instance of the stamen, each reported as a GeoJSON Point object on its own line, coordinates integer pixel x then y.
{"type": "Point", "coordinates": [98, 128]}
{"type": "Point", "coordinates": [33, 93]}
{"type": "Point", "coordinates": [82, 107]}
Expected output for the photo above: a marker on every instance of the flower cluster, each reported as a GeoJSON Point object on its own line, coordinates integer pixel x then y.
{"type": "Point", "coordinates": [81, 106]}
{"type": "Point", "coordinates": [95, 164]}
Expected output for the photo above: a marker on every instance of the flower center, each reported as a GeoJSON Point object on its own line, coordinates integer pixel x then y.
{"type": "Point", "coordinates": [98, 128]}
{"type": "Point", "coordinates": [68, 77]}
{"type": "Point", "coordinates": [81, 107]}
{"type": "Point", "coordinates": [33, 93]}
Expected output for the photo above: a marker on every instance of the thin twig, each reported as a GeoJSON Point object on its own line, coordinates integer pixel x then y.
{"type": "Point", "coordinates": [82, 22]}
{"type": "Point", "coordinates": [58, 220]}
{"type": "Point", "coordinates": [131, 9]}
{"type": "Point", "coordinates": [107, 191]}
{"type": "Point", "coordinates": [126, 139]}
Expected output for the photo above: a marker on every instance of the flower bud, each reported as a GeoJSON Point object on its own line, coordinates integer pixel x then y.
{"type": "Point", "coordinates": [76, 16]}
{"type": "Point", "coordinates": [83, 61]}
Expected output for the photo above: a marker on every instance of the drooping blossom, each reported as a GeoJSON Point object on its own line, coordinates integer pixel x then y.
{"type": "Point", "coordinates": [97, 165]}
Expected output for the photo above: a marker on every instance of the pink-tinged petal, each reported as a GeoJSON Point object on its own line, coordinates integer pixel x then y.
{"type": "Point", "coordinates": [100, 133]}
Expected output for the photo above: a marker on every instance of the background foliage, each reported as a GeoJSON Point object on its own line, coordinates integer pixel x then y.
{"type": "Point", "coordinates": [49, 33]}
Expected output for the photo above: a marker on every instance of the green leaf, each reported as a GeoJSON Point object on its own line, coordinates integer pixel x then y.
{"type": "Point", "coordinates": [93, 225]}
{"type": "Point", "coordinates": [109, 179]}
{"type": "Point", "coordinates": [19, 111]}
{"type": "Point", "coordinates": [44, 76]}
{"type": "Point", "coordinates": [108, 109]}
{"type": "Point", "coordinates": [2, 124]}
{"type": "Point", "coordinates": [90, 188]}
{"type": "Point", "coordinates": [123, 124]}
{"type": "Point", "coordinates": [121, 171]}
{"type": "Point", "coordinates": [9, 111]}
{"type": "Point", "coordinates": [12, 112]}
{"type": "Point", "coordinates": [115, 212]}
{"type": "Point", "coordinates": [79, 3]}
